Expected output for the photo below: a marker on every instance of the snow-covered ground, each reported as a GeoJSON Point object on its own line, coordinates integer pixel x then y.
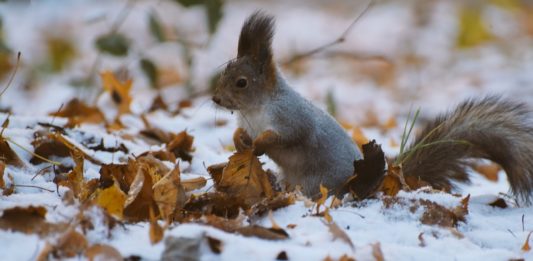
{"type": "Point", "coordinates": [400, 55]}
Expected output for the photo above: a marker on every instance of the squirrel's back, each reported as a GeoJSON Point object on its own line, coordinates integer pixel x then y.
{"type": "Point", "coordinates": [493, 128]}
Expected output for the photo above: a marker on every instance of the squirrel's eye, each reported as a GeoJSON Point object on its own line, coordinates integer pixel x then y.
{"type": "Point", "coordinates": [241, 83]}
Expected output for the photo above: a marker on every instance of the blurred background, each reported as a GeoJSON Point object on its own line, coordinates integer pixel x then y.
{"type": "Point", "coordinates": [400, 54]}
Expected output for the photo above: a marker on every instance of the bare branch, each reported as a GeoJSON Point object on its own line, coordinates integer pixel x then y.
{"type": "Point", "coordinates": [339, 39]}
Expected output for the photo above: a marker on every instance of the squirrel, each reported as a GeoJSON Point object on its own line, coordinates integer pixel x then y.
{"type": "Point", "coordinates": [312, 149]}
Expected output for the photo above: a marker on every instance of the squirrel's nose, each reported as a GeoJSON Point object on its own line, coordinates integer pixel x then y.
{"type": "Point", "coordinates": [216, 99]}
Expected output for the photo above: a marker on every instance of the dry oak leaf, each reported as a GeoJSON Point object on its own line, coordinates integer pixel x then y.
{"type": "Point", "coordinates": [77, 112]}
{"type": "Point", "coordinates": [124, 174]}
{"type": "Point", "coordinates": [244, 178]}
{"type": "Point", "coordinates": [112, 199]}
{"type": "Point", "coordinates": [99, 252]}
{"type": "Point", "coordinates": [193, 184]}
{"type": "Point", "coordinates": [140, 195]}
{"type": "Point", "coordinates": [119, 91]}
{"type": "Point", "coordinates": [169, 194]}
{"type": "Point", "coordinates": [489, 171]}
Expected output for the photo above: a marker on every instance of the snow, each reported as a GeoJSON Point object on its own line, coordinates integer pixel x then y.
{"type": "Point", "coordinates": [388, 30]}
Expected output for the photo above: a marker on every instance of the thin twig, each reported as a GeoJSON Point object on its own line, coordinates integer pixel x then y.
{"type": "Point", "coordinates": [339, 39]}
{"type": "Point", "coordinates": [32, 153]}
{"type": "Point", "coordinates": [33, 186]}
{"type": "Point", "coordinates": [12, 75]}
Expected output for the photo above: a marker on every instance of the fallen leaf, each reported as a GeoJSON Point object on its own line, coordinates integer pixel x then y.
{"type": "Point", "coordinates": [262, 232]}
{"type": "Point", "coordinates": [124, 174]}
{"type": "Point", "coordinates": [391, 185]}
{"type": "Point", "coordinates": [119, 91]}
{"type": "Point", "coordinates": [28, 220]}
{"type": "Point", "coordinates": [245, 179]}
{"type": "Point", "coordinates": [2, 170]}
{"type": "Point", "coordinates": [526, 247]}
{"type": "Point", "coordinates": [7, 155]}
{"type": "Point", "coordinates": [214, 244]}
{"type": "Point", "coordinates": [369, 172]}
{"type": "Point", "coordinates": [169, 194]}
{"type": "Point", "coordinates": [193, 184]}
{"type": "Point", "coordinates": [219, 204]}
{"type": "Point", "coordinates": [77, 112]}
{"type": "Point", "coordinates": [98, 252]}
{"type": "Point", "coordinates": [499, 202]}
{"type": "Point", "coordinates": [70, 244]}
{"type": "Point", "coordinates": [74, 179]}
{"type": "Point", "coordinates": [158, 104]}
{"type": "Point", "coordinates": [181, 146]}
{"type": "Point", "coordinates": [338, 233]}
{"type": "Point", "coordinates": [140, 196]}
{"type": "Point", "coordinates": [282, 256]}
{"type": "Point", "coordinates": [112, 199]}
{"type": "Point", "coordinates": [489, 171]}
{"type": "Point", "coordinates": [156, 232]}
{"type": "Point", "coordinates": [473, 30]}
{"type": "Point", "coordinates": [376, 252]}
{"type": "Point", "coordinates": [359, 138]}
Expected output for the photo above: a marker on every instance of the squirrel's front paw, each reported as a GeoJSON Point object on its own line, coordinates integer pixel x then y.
{"type": "Point", "coordinates": [258, 150]}
{"type": "Point", "coordinates": [242, 140]}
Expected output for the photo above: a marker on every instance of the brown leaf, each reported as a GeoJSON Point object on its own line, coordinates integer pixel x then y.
{"type": "Point", "coordinates": [219, 204]}
{"type": "Point", "coordinates": [245, 179]}
{"type": "Point", "coordinates": [11, 189]}
{"type": "Point", "coordinates": [489, 171]}
{"type": "Point", "coordinates": [169, 194]}
{"type": "Point", "coordinates": [156, 231]}
{"type": "Point", "coordinates": [526, 246]}
{"type": "Point", "coordinates": [214, 244]}
{"type": "Point", "coordinates": [181, 146]}
{"type": "Point", "coordinates": [112, 199]}
{"type": "Point", "coordinates": [2, 170]}
{"type": "Point", "coordinates": [158, 104]}
{"type": "Point", "coordinates": [282, 256]}
{"type": "Point", "coordinates": [29, 220]}
{"type": "Point", "coordinates": [279, 201]}
{"type": "Point", "coordinates": [193, 184]}
{"type": "Point", "coordinates": [263, 233]}
{"type": "Point", "coordinates": [499, 202]}
{"type": "Point", "coordinates": [391, 185]}
{"type": "Point", "coordinates": [369, 172]}
{"type": "Point", "coordinates": [78, 112]}
{"type": "Point", "coordinates": [46, 147]}
{"type": "Point", "coordinates": [102, 252]}
{"type": "Point", "coordinates": [140, 196]}
{"type": "Point", "coordinates": [70, 245]}
{"type": "Point", "coordinates": [119, 91]}
{"type": "Point", "coordinates": [7, 155]}
{"type": "Point", "coordinates": [124, 174]}
{"type": "Point", "coordinates": [338, 233]}
{"type": "Point", "coordinates": [376, 252]}
{"type": "Point", "coordinates": [436, 214]}
{"type": "Point", "coordinates": [74, 179]}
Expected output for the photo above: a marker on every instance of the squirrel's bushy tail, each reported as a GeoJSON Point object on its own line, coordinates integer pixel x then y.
{"type": "Point", "coordinates": [490, 128]}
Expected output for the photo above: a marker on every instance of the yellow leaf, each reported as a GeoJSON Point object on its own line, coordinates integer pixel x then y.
{"type": "Point", "coordinates": [526, 246]}
{"type": "Point", "coordinates": [472, 29]}
{"type": "Point", "coordinates": [112, 199]}
{"type": "Point", "coordinates": [119, 91]}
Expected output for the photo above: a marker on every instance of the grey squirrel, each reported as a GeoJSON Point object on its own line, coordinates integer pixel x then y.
{"type": "Point", "coordinates": [311, 148]}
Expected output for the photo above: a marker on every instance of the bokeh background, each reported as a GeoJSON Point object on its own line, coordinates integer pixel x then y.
{"type": "Point", "coordinates": [422, 53]}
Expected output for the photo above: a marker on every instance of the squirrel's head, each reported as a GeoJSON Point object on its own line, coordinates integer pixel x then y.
{"type": "Point", "coordinates": [249, 79]}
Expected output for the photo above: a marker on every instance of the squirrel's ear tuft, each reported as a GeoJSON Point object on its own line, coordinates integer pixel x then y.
{"type": "Point", "coordinates": [256, 37]}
